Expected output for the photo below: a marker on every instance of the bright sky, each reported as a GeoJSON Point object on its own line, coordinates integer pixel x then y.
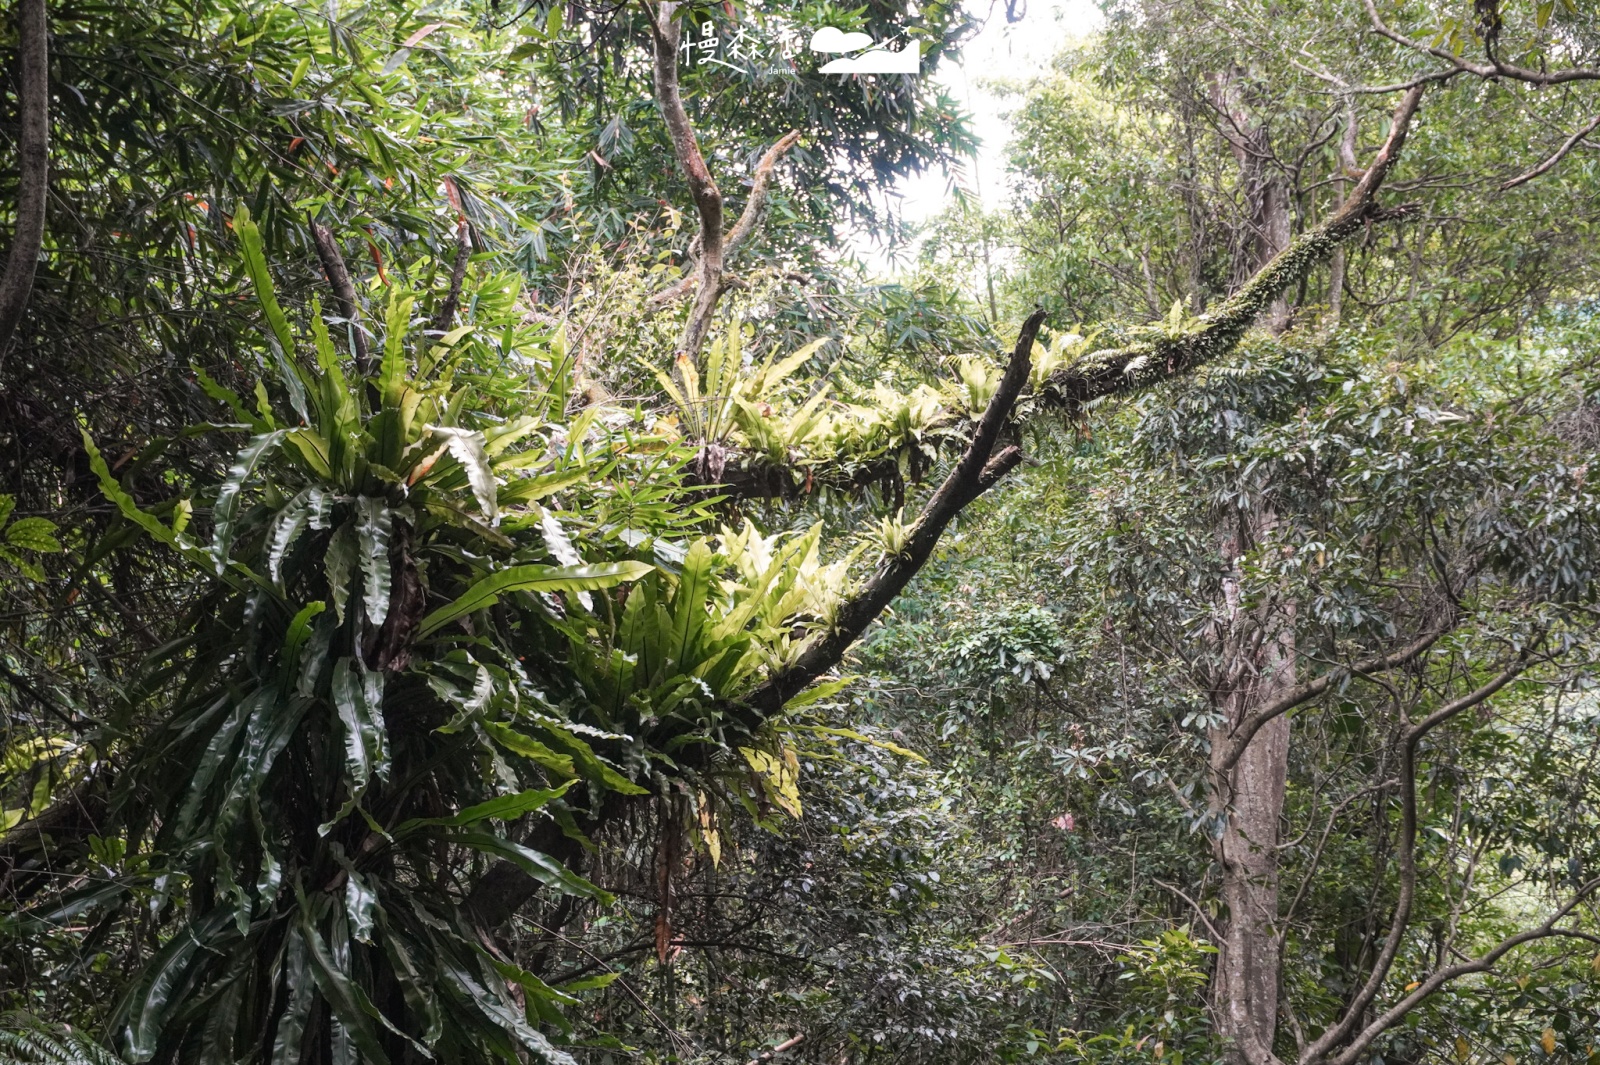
{"type": "Point", "coordinates": [1001, 52]}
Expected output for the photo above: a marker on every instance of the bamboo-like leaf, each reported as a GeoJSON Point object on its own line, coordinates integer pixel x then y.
{"type": "Point", "coordinates": [374, 522]}
{"type": "Point", "coordinates": [536, 864]}
{"type": "Point", "coordinates": [488, 591]}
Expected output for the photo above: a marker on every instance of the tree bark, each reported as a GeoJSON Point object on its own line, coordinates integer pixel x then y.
{"type": "Point", "coordinates": [1247, 797]}
{"type": "Point", "coordinates": [33, 168]}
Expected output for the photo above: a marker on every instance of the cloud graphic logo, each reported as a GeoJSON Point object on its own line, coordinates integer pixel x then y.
{"type": "Point", "coordinates": [907, 60]}
{"type": "Point", "coordinates": [833, 39]}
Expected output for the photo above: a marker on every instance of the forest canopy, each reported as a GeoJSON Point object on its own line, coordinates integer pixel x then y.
{"type": "Point", "coordinates": [492, 569]}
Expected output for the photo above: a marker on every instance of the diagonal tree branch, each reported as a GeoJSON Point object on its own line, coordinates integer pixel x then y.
{"type": "Point", "coordinates": [1486, 961]}
{"type": "Point", "coordinates": [33, 165]}
{"type": "Point", "coordinates": [1347, 1024]}
{"type": "Point", "coordinates": [1560, 154]}
{"type": "Point", "coordinates": [1139, 365]}
{"type": "Point", "coordinates": [979, 468]}
{"type": "Point", "coordinates": [1301, 694]}
{"type": "Point", "coordinates": [458, 274]}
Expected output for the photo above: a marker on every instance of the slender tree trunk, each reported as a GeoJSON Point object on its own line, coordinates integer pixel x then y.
{"type": "Point", "coordinates": [33, 167]}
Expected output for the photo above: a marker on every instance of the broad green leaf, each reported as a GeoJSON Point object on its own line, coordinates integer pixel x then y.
{"type": "Point", "coordinates": [818, 692]}
{"type": "Point", "coordinates": [255, 263]}
{"type": "Point", "coordinates": [467, 447]}
{"type": "Point", "coordinates": [358, 698]}
{"type": "Point", "coordinates": [488, 591]}
{"type": "Point", "coordinates": [113, 490]}
{"type": "Point", "coordinates": [162, 980]}
{"type": "Point", "coordinates": [392, 372]}
{"type": "Point", "coordinates": [504, 808]}
{"type": "Point", "coordinates": [225, 515]}
{"type": "Point", "coordinates": [284, 528]}
{"type": "Point", "coordinates": [531, 489]}
{"type": "Point", "coordinates": [232, 400]}
{"type": "Point", "coordinates": [33, 534]}
{"type": "Point", "coordinates": [374, 522]}
{"type": "Point", "coordinates": [359, 903]}
{"type": "Point", "coordinates": [314, 449]}
{"type": "Point", "coordinates": [529, 748]}
{"type": "Point", "coordinates": [343, 996]}
{"type": "Point", "coordinates": [340, 565]}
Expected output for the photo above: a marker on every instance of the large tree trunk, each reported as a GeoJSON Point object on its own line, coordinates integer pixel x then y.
{"type": "Point", "coordinates": [1265, 186]}
{"type": "Point", "coordinates": [1249, 797]}
{"type": "Point", "coordinates": [1258, 666]}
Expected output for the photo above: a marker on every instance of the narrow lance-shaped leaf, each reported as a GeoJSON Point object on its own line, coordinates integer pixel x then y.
{"type": "Point", "coordinates": [348, 1003]}
{"type": "Point", "coordinates": [255, 263]}
{"type": "Point", "coordinates": [504, 808]}
{"type": "Point", "coordinates": [488, 591]}
{"type": "Point", "coordinates": [340, 565]}
{"type": "Point", "coordinates": [358, 698]}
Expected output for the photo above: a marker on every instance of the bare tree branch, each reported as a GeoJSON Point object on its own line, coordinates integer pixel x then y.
{"type": "Point", "coordinates": [1481, 964]}
{"type": "Point", "coordinates": [458, 274]}
{"type": "Point", "coordinates": [760, 188]}
{"type": "Point", "coordinates": [1560, 154]}
{"type": "Point", "coordinates": [1495, 68]}
{"type": "Point", "coordinates": [1341, 1030]}
{"type": "Point", "coordinates": [1301, 694]}
{"type": "Point", "coordinates": [665, 34]}
{"type": "Point", "coordinates": [33, 168]}
{"type": "Point", "coordinates": [344, 293]}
